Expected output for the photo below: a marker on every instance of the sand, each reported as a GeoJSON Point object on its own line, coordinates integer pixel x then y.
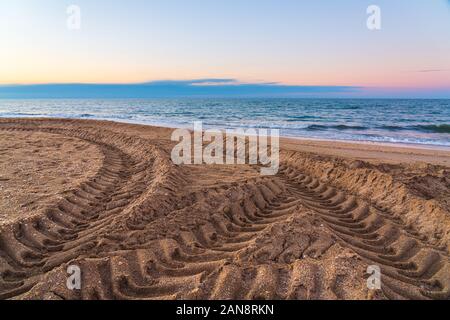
{"type": "Point", "coordinates": [106, 197]}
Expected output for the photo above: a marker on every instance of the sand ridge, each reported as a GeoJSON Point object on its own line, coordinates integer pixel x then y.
{"type": "Point", "coordinates": [143, 228]}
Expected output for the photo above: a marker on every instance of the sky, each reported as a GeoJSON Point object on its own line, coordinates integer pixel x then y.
{"type": "Point", "coordinates": [283, 43]}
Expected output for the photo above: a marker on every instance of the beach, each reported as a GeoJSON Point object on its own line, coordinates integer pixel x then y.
{"type": "Point", "coordinates": [106, 197]}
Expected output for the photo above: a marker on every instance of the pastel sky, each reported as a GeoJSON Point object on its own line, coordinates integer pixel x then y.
{"type": "Point", "coordinates": [291, 42]}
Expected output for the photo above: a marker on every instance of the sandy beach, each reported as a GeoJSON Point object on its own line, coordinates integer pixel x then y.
{"type": "Point", "coordinates": [106, 197]}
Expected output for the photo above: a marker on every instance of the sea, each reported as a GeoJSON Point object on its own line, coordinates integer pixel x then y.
{"type": "Point", "coordinates": [423, 122]}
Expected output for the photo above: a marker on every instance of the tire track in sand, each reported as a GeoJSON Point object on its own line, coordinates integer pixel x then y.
{"type": "Point", "coordinates": [69, 228]}
{"type": "Point", "coordinates": [198, 262]}
{"type": "Point", "coordinates": [411, 268]}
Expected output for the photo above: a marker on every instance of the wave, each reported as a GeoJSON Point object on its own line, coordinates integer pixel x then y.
{"type": "Point", "coordinates": [20, 114]}
{"type": "Point", "coordinates": [393, 128]}
{"type": "Point", "coordinates": [438, 128]}
{"type": "Point", "coordinates": [441, 128]}
{"type": "Point", "coordinates": [318, 127]}
{"type": "Point", "coordinates": [297, 118]}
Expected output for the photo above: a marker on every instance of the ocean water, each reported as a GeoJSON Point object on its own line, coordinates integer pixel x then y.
{"type": "Point", "coordinates": [395, 121]}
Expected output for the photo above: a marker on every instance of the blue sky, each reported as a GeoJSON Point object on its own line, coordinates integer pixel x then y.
{"type": "Point", "coordinates": [293, 43]}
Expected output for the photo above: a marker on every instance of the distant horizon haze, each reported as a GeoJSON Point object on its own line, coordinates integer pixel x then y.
{"type": "Point", "coordinates": [226, 88]}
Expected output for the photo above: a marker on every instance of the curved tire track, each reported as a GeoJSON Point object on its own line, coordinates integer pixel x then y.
{"type": "Point", "coordinates": [411, 268]}
{"type": "Point", "coordinates": [198, 262]}
{"type": "Point", "coordinates": [66, 229]}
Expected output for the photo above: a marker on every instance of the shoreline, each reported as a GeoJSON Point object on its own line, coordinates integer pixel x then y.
{"type": "Point", "coordinates": [287, 137]}
{"type": "Point", "coordinates": [369, 142]}
{"type": "Point", "coordinates": [414, 145]}
{"type": "Point", "coordinates": [362, 150]}
{"type": "Point", "coordinates": [375, 143]}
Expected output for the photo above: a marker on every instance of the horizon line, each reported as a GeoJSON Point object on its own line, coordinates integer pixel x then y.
{"type": "Point", "coordinates": [211, 87]}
